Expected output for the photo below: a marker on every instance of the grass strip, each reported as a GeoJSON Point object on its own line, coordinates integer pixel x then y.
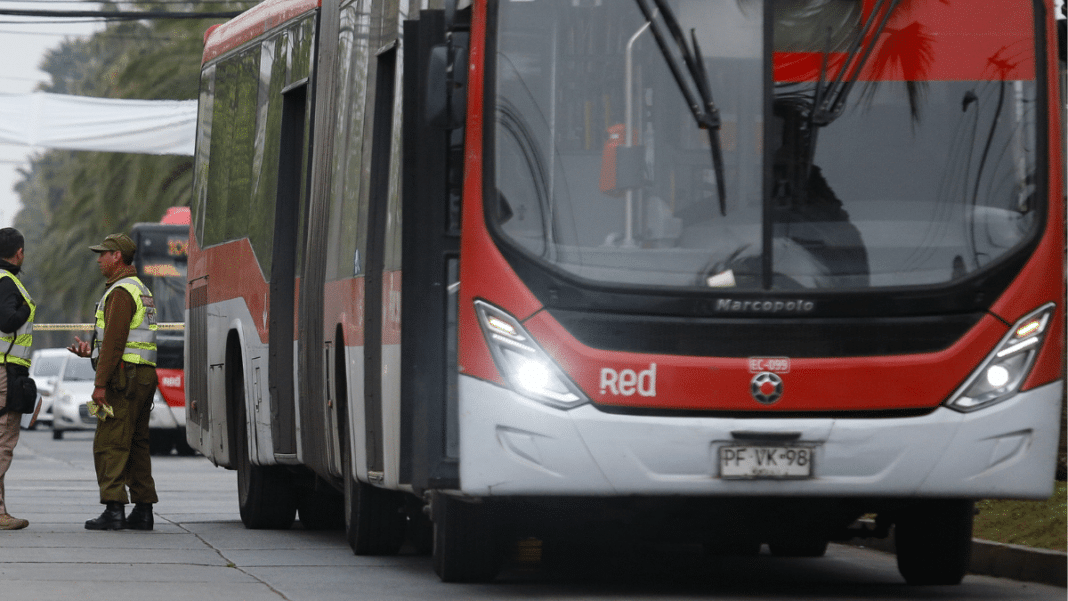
{"type": "Point", "coordinates": [1041, 524]}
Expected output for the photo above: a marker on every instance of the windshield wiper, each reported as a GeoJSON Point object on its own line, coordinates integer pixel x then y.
{"type": "Point", "coordinates": [703, 109]}
{"type": "Point", "coordinates": [829, 98]}
{"type": "Point", "coordinates": [830, 101]}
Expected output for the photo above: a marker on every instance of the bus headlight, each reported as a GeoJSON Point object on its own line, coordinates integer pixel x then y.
{"type": "Point", "coordinates": [524, 365]}
{"type": "Point", "coordinates": [1005, 369]}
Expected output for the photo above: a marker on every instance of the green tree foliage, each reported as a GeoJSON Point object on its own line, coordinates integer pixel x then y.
{"type": "Point", "coordinates": [71, 200]}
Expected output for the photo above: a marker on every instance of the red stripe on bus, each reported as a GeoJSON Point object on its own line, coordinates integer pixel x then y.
{"type": "Point", "coordinates": [252, 23]}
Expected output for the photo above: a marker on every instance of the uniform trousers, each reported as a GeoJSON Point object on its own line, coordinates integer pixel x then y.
{"type": "Point", "coordinates": [120, 446]}
{"type": "Point", "coordinates": [10, 424]}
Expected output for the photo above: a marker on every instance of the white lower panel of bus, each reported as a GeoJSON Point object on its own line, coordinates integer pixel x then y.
{"type": "Point", "coordinates": [510, 445]}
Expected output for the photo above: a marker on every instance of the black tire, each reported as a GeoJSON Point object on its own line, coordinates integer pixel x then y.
{"type": "Point", "coordinates": [799, 548]}
{"type": "Point", "coordinates": [374, 517]}
{"type": "Point", "coordinates": [467, 542]}
{"type": "Point", "coordinates": [934, 541]}
{"type": "Point", "coordinates": [57, 434]}
{"type": "Point", "coordinates": [374, 520]}
{"type": "Point", "coordinates": [264, 493]}
{"type": "Point", "coordinates": [321, 509]}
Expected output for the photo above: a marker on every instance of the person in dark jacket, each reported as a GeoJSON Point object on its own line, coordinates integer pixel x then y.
{"type": "Point", "coordinates": [16, 325]}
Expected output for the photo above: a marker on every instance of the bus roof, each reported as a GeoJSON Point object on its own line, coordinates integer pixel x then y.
{"type": "Point", "coordinates": [252, 23]}
{"type": "Point", "coordinates": [177, 215]}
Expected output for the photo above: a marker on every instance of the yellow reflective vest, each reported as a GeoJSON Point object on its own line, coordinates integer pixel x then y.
{"type": "Point", "coordinates": [22, 337]}
{"type": "Point", "coordinates": [141, 343]}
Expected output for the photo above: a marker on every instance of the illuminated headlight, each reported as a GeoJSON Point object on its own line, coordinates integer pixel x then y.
{"type": "Point", "coordinates": [1005, 369]}
{"type": "Point", "coordinates": [526, 367]}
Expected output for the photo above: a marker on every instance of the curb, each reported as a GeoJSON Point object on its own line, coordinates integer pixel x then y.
{"type": "Point", "coordinates": [1016, 562]}
{"type": "Point", "coordinates": [1019, 563]}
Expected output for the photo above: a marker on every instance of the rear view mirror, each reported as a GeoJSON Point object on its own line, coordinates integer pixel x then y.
{"type": "Point", "coordinates": [446, 85]}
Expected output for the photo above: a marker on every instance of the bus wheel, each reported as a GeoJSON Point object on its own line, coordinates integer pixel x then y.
{"type": "Point", "coordinates": [264, 493]}
{"type": "Point", "coordinates": [466, 541]}
{"type": "Point", "coordinates": [934, 541]}
{"type": "Point", "coordinates": [374, 517]}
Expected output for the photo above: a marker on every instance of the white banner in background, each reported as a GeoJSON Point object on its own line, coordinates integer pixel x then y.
{"type": "Point", "coordinates": [100, 124]}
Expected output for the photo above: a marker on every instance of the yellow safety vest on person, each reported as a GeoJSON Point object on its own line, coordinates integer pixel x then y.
{"type": "Point", "coordinates": [141, 343]}
{"type": "Point", "coordinates": [22, 337]}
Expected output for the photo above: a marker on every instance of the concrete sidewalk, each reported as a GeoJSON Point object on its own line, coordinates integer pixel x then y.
{"type": "Point", "coordinates": [57, 559]}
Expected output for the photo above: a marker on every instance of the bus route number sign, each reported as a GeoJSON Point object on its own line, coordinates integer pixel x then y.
{"type": "Point", "coordinates": [774, 462]}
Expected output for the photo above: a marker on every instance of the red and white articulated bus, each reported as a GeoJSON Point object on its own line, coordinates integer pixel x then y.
{"type": "Point", "coordinates": [161, 260]}
{"type": "Point", "coordinates": [733, 273]}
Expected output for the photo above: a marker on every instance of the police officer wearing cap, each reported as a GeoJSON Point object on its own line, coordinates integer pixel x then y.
{"type": "Point", "coordinates": [123, 349]}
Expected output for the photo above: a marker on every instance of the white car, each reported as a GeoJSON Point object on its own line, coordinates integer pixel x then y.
{"type": "Point", "coordinates": [73, 388]}
{"type": "Point", "coordinates": [65, 382]}
{"type": "Point", "coordinates": [45, 365]}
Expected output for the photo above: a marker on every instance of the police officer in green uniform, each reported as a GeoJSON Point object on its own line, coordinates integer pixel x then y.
{"type": "Point", "coordinates": [123, 349]}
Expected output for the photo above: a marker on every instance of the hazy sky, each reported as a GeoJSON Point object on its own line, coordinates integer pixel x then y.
{"type": "Point", "coordinates": [24, 41]}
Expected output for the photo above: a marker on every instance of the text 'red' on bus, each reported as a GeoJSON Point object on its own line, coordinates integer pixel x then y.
{"type": "Point", "coordinates": [734, 273]}
{"type": "Point", "coordinates": [161, 260]}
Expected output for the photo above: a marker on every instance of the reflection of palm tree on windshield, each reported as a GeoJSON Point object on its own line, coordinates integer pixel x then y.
{"type": "Point", "coordinates": [887, 44]}
{"type": "Point", "coordinates": [905, 53]}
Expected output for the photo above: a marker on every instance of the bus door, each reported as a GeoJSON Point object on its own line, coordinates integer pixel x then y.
{"type": "Point", "coordinates": [435, 99]}
{"type": "Point", "coordinates": [381, 145]}
{"type": "Point", "coordinates": [284, 268]}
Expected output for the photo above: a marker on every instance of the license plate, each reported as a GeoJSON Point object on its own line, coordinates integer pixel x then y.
{"type": "Point", "coordinates": [743, 461]}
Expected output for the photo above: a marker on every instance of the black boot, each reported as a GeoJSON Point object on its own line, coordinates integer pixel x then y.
{"type": "Point", "coordinates": [140, 517]}
{"type": "Point", "coordinates": [113, 518]}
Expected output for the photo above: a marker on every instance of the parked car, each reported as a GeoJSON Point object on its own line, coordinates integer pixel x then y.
{"type": "Point", "coordinates": [45, 365]}
{"type": "Point", "coordinates": [73, 388]}
{"type": "Point", "coordinates": [70, 385]}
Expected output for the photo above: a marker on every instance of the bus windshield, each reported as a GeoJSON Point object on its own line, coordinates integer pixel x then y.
{"type": "Point", "coordinates": [161, 264]}
{"type": "Point", "coordinates": [864, 143]}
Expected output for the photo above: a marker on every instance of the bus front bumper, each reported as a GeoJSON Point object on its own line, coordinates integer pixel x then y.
{"type": "Point", "coordinates": [510, 445]}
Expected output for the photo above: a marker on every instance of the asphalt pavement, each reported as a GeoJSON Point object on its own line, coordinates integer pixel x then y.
{"type": "Point", "coordinates": [199, 549]}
